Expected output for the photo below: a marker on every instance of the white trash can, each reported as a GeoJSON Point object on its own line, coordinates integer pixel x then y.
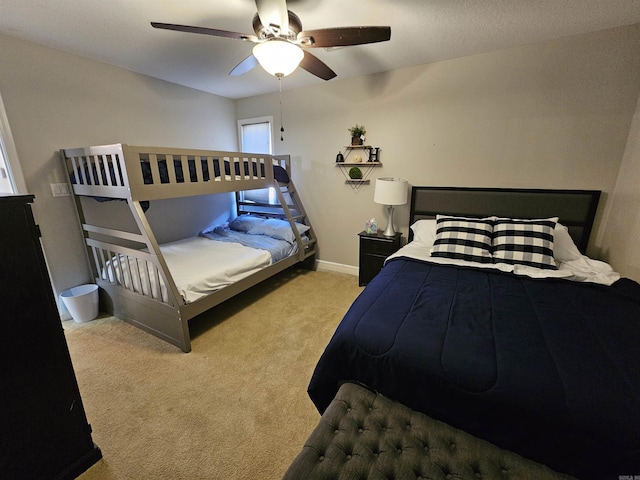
{"type": "Point", "coordinates": [82, 302]}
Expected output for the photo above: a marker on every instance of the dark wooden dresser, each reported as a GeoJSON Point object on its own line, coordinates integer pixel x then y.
{"type": "Point", "coordinates": [44, 432]}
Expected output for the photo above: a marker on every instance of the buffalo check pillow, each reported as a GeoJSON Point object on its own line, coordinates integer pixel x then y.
{"type": "Point", "coordinates": [463, 238]}
{"type": "Point", "coordinates": [524, 242]}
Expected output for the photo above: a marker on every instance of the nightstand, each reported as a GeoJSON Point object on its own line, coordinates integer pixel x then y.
{"type": "Point", "coordinates": [374, 249]}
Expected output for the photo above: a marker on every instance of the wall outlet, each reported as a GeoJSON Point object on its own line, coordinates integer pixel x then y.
{"type": "Point", "coordinates": [60, 189]}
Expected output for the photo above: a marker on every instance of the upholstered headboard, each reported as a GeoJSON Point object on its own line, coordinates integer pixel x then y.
{"type": "Point", "coordinates": [575, 208]}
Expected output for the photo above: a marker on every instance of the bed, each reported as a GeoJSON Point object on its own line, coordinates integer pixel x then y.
{"type": "Point", "coordinates": [160, 287]}
{"type": "Point", "coordinates": [541, 361]}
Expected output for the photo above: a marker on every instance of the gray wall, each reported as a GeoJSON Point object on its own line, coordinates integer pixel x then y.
{"type": "Point", "coordinates": [620, 238]}
{"type": "Point", "coordinates": [550, 115]}
{"type": "Point", "coordinates": [54, 100]}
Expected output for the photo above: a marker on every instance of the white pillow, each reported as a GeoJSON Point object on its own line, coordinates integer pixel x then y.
{"type": "Point", "coordinates": [564, 249]}
{"type": "Point", "coordinates": [424, 231]}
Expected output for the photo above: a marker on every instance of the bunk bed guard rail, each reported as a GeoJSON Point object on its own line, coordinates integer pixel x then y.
{"type": "Point", "coordinates": [151, 173]}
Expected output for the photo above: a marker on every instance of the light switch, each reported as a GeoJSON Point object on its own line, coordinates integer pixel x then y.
{"type": "Point", "coordinates": [60, 189]}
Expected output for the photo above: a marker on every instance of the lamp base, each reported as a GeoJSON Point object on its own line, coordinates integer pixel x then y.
{"type": "Point", "coordinates": [389, 231]}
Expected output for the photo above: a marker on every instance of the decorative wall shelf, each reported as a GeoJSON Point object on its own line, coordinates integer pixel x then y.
{"type": "Point", "coordinates": [366, 166]}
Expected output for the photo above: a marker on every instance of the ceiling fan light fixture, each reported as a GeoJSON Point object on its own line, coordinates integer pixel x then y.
{"type": "Point", "coordinates": [278, 57]}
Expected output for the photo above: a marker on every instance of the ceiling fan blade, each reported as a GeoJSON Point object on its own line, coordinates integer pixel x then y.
{"type": "Point", "coordinates": [244, 66]}
{"type": "Point", "coordinates": [343, 36]}
{"type": "Point", "coordinates": [314, 65]}
{"type": "Point", "coordinates": [205, 31]}
{"type": "Point", "coordinates": [274, 15]}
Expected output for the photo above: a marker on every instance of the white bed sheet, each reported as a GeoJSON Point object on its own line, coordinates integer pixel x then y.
{"type": "Point", "coordinates": [199, 266]}
{"type": "Point", "coordinates": [582, 269]}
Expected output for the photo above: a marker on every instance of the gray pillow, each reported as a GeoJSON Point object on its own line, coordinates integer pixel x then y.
{"type": "Point", "coordinates": [244, 223]}
{"type": "Point", "coordinates": [279, 229]}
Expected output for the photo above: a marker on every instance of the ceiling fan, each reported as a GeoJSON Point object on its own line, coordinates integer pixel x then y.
{"type": "Point", "coordinates": [281, 44]}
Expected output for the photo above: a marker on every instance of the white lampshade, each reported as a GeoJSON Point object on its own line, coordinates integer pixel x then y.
{"type": "Point", "coordinates": [391, 191]}
{"type": "Point", "coordinates": [278, 57]}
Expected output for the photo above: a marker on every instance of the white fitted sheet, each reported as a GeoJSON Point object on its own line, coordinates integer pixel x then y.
{"type": "Point", "coordinates": [199, 266]}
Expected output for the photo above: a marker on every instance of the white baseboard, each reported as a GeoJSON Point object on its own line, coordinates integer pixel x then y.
{"type": "Point", "coordinates": [337, 267]}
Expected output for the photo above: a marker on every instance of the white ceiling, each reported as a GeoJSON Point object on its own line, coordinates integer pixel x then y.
{"type": "Point", "coordinates": [118, 32]}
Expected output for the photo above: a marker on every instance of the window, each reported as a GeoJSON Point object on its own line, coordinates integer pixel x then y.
{"type": "Point", "coordinates": [255, 137]}
{"type": "Point", "coordinates": [11, 179]}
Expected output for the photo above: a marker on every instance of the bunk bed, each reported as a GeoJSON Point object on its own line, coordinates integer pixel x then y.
{"type": "Point", "coordinates": [150, 285]}
{"type": "Point", "coordinates": [539, 361]}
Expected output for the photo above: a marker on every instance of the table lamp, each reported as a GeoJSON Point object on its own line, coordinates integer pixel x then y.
{"type": "Point", "coordinates": [390, 191]}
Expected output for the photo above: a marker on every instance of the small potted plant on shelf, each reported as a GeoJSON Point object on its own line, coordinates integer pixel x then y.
{"type": "Point", "coordinates": [357, 134]}
{"type": "Point", "coordinates": [355, 173]}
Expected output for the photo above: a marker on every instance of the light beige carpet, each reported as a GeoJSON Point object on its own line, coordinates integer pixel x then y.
{"type": "Point", "coordinates": [236, 407]}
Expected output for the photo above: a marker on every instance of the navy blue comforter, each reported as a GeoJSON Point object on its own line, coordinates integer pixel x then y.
{"type": "Point", "coordinates": [549, 369]}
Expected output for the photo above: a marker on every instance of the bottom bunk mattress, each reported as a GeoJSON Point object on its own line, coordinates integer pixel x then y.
{"type": "Point", "coordinates": [218, 257]}
{"type": "Point", "coordinates": [199, 265]}
{"type": "Point", "coordinates": [547, 368]}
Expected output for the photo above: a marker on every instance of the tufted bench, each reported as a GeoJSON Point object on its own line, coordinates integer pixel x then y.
{"type": "Point", "coordinates": [363, 435]}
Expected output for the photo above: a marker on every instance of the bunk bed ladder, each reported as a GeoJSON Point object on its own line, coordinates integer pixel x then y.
{"type": "Point", "coordinates": [308, 243]}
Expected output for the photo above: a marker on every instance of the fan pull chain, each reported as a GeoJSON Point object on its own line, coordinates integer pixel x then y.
{"type": "Point", "coordinates": [281, 127]}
